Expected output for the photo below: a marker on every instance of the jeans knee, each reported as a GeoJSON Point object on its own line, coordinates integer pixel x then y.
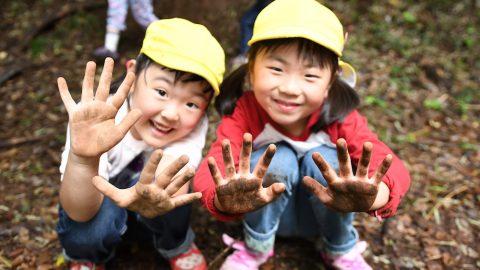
{"type": "Point", "coordinates": [79, 239]}
{"type": "Point", "coordinates": [283, 168]}
{"type": "Point", "coordinates": [310, 168]}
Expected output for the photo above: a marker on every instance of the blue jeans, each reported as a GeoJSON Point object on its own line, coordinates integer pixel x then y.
{"type": "Point", "coordinates": [96, 239]}
{"type": "Point", "coordinates": [297, 212]}
{"type": "Point", "coordinates": [247, 21]}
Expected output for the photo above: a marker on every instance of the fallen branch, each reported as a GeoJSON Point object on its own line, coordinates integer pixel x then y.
{"type": "Point", "coordinates": [10, 73]}
{"type": "Point", "coordinates": [18, 141]}
{"type": "Point", "coordinates": [19, 68]}
{"type": "Point", "coordinates": [65, 10]}
{"type": "Point", "coordinates": [444, 199]}
{"type": "Point", "coordinates": [5, 261]}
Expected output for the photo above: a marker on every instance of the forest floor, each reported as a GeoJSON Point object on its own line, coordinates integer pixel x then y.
{"type": "Point", "coordinates": [418, 66]}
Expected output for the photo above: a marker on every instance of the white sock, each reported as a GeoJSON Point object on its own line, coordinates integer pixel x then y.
{"type": "Point", "coordinates": [111, 41]}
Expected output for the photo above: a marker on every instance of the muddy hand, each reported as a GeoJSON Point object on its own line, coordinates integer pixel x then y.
{"type": "Point", "coordinates": [242, 192]}
{"type": "Point", "coordinates": [152, 197]}
{"type": "Point", "coordinates": [347, 192]}
{"type": "Point", "coordinates": [92, 120]}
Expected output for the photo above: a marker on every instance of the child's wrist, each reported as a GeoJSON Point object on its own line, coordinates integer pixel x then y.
{"type": "Point", "coordinates": [382, 198]}
{"type": "Point", "coordinates": [216, 203]}
{"type": "Point", "coordinates": [84, 161]}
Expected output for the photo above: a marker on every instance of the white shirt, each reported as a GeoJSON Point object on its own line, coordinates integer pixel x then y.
{"type": "Point", "coordinates": [115, 160]}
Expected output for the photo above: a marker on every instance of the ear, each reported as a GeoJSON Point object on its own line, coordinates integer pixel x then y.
{"type": "Point", "coordinates": [325, 95]}
{"type": "Point", "coordinates": [249, 77]}
{"type": "Point", "coordinates": [130, 65]}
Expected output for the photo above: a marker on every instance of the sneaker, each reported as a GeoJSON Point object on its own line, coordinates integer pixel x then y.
{"type": "Point", "coordinates": [101, 53]}
{"type": "Point", "coordinates": [86, 266]}
{"type": "Point", "coordinates": [190, 260]}
{"type": "Point", "coordinates": [242, 258]}
{"type": "Point", "coordinates": [351, 260]}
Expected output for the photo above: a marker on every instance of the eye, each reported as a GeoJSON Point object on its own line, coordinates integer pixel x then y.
{"type": "Point", "coordinates": [276, 69]}
{"type": "Point", "coordinates": [161, 92]}
{"type": "Point", "coordinates": [192, 105]}
{"type": "Point", "coordinates": [312, 76]}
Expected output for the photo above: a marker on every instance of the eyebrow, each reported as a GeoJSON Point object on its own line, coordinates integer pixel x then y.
{"type": "Point", "coordinates": [283, 61]}
{"type": "Point", "coordinates": [277, 58]}
{"type": "Point", "coordinates": [163, 78]}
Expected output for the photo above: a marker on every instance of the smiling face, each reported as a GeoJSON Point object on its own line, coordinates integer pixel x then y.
{"type": "Point", "coordinates": [289, 87]}
{"type": "Point", "coordinates": [171, 107]}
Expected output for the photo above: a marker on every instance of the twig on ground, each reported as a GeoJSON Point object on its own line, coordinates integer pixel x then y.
{"type": "Point", "coordinates": [450, 195]}
{"type": "Point", "coordinates": [65, 10]}
{"type": "Point", "coordinates": [22, 140]}
{"type": "Point", "coordinates": [18, 68]}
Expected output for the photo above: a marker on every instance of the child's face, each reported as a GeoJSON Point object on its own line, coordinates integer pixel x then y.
{"type": "Point", "coordinates": [288, 88]}
{"type": "Point", "coordinates": [171, 110]}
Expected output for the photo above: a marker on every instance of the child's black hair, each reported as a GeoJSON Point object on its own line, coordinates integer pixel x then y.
{"type": "Point", "coordinates": [341, 100]}
{"type": "Point", "coordinates": [143, 62]}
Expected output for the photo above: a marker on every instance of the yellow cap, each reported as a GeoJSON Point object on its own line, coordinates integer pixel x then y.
{"type": "Point", "coordinates": [303, 19]}
{"type": "Point", "coordinates": [182, 45]}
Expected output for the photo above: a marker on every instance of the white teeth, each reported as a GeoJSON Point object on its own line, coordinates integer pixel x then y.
{"type": "Point", "coordinates": [161, 128]}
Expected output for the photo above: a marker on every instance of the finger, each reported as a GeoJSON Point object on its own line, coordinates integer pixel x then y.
{"type": "Point", "coordinates": [186, 199]}
{"type": "Point", "coordinates": [317, 189]}
{"type": "Point", "coordinates": [105, 78]}
{"type": "Point", "coordinates": [382, 170]}
{"type": "Point", "coordinates": [274, 190]}
{"type": "Point", "coordinates": [122, 92]}
{"type": "Point", "coordinates": [108, 190]}
{"type": "Point", "coordinates": [344, 159]}
{"type": "Point", "coordinates": [244, 162]}
{"type": "Point", "coordinates": [327, 171]}
{"type": "Point", "coordinates": [124, 126]}
{"type": "Point", "coordinates": [228, 159]}
{"type": "Point", "coordinates": [362, 168]}
{"type": "Point", "coordinates": [65, 94]}
{"type": "Point", "coordinates": [148, 173]}
{"type": "Point", "coordinates": [262, 165]}
{"type": "Point", "coordinates": [88, 80]}
{"type": "Point", "coordinates": [174, 167]}
{"type": "Point", "coordinates": [179, 181]}
{"type": "Point", "coordinates": [217, 176]}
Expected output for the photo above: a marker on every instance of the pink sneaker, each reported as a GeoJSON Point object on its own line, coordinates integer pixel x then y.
{"type": "Point", "coordinates": [242, 258]}
{"type": "Point", "coordinates": [353, 260]}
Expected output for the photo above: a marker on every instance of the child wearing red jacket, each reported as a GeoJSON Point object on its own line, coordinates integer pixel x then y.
{"type": "Point", "coordinates": [299, 116]}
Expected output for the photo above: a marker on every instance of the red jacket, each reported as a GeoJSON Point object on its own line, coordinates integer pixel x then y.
{"type": "Point", "coordinates": [248, 116]}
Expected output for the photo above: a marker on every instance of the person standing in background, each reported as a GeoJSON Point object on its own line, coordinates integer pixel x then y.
{"type": "Point", "coordinates": [246, 31]}
{"type": "Point", "coordinates": [142, 11]}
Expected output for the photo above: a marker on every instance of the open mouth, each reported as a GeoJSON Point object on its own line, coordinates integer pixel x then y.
{"type": "Point", "coordinates": [160, 129]}
{"type": "Point", "coordinates": [285, 105]}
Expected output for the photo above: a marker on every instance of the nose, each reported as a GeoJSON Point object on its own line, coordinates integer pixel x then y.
{"type": "Point", "coordinates": [290, 86]}
{"type": "Point", "coordinates": [170, 113]}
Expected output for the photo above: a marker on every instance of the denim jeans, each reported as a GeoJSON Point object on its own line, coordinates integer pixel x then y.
{"type": "Point", "coordinates": [297, 212]}
{"type": "Point", "coordinates": [247, 21]}
{"type": "Point", "coordinates": [96, 239]}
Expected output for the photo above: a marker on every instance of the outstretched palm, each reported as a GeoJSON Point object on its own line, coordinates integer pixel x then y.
{"type": "Point", "coordinates": [92, 121]}
{"type": "Point", "coordinates": [242, 192]}
{"type": "Point", "coordinates": [347, 192]}
{"type": "Point", "coordinates": [152, 196]}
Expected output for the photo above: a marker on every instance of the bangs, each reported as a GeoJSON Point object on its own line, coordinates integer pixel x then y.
{"type": "Point", "coordinates": [307, 51]}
